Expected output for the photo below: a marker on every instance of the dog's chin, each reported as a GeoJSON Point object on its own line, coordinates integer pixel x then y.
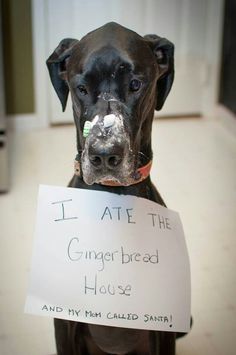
{"type": "Point", "coordinates": [107, 179]}
{"type": "Point", "coordinates": [92, 176]}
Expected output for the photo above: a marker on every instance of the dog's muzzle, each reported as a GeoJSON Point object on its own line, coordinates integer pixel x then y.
{"type": "Point", "coordinates": [107, 154]}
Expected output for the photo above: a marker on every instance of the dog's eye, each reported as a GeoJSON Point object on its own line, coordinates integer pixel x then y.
{"type": "Point", "coordinates": [135, 85]}
{"type": "Point", "coordinates": [82, 89]}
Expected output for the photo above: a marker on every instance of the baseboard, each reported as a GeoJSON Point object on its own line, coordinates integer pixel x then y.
{"type": "Point", "coordinates": [23, 122]}
{"type": "Point", "coordinates": [30, 122]}
{"type": "Point", "coordinates": [226, 118]}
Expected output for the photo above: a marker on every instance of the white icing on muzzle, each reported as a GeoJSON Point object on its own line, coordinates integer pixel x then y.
{"type": "Point", "coordinates": [107, 122]}
{"type": "Point", "coordinates": [106, 140]}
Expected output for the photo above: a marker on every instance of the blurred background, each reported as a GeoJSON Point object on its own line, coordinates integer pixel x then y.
{"type": "Point", "coordinates": [194, 144]}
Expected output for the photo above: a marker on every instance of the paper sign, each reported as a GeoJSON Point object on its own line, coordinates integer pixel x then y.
{"type": "Point", "coordinates": [109, 259]}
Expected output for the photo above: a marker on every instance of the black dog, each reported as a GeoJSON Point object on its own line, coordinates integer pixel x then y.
{"type": "Point", "coordinates": [116, 79]}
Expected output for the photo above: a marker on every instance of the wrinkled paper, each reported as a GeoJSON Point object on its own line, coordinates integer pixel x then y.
{"type": "Point", "coordinates": [109, 259]}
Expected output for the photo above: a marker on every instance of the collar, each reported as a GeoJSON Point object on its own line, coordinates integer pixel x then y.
{"type": "Point", "coordinates": [141, 174]}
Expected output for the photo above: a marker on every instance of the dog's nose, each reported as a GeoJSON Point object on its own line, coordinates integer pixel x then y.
{"type": "Point", "coordinates": [109, 161]}
{"type": "Point", "coordinates": [105, 157]}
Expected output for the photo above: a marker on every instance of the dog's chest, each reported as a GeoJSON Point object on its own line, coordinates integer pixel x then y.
{"type": "Point", "coordinates": [114, 340]}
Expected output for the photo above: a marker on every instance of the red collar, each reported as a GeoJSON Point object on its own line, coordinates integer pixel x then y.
{"type": "Point", "coordinates": [141, 174]}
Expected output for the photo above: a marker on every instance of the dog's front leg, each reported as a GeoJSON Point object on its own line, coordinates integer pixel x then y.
{"type": "Point", "coordinates": [162, 343]}
{"type": "Point", "coordinates": [69, 338]}
{"type": "Point", "coordinates": [167, 343]}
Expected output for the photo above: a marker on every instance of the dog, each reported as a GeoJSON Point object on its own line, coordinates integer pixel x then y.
{"type": "Point", "coordinates": [116, 79]}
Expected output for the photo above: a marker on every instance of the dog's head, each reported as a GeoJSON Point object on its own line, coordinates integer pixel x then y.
{"type": "Point", "coordinates": [116, 79]}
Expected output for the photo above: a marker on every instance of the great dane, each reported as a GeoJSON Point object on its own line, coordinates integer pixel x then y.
{"type": "Point", "coordinates": [116, 79]}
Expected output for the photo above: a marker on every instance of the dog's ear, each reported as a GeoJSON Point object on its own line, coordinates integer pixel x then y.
{"type": "Point", "coordinates": [164, 53]}
{"type": "Point", "coordinates": [56, 64]}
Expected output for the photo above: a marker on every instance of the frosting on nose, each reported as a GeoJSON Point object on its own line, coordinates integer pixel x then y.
{"type": "Point", "coordinates": [107, 97]}
{"type": "Point", "coordinates": [109, 120]}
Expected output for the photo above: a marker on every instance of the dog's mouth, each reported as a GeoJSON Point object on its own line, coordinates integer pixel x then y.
{"type": "Point", "coordinates": [118, 176]}
{"type": "Point", "coordinates": [107, 156]}
{"type": "Point", "coordinates": [106, 179]}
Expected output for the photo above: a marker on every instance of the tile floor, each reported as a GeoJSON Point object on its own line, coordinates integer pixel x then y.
{"type": "Point", "coordinates": [195, 171]}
